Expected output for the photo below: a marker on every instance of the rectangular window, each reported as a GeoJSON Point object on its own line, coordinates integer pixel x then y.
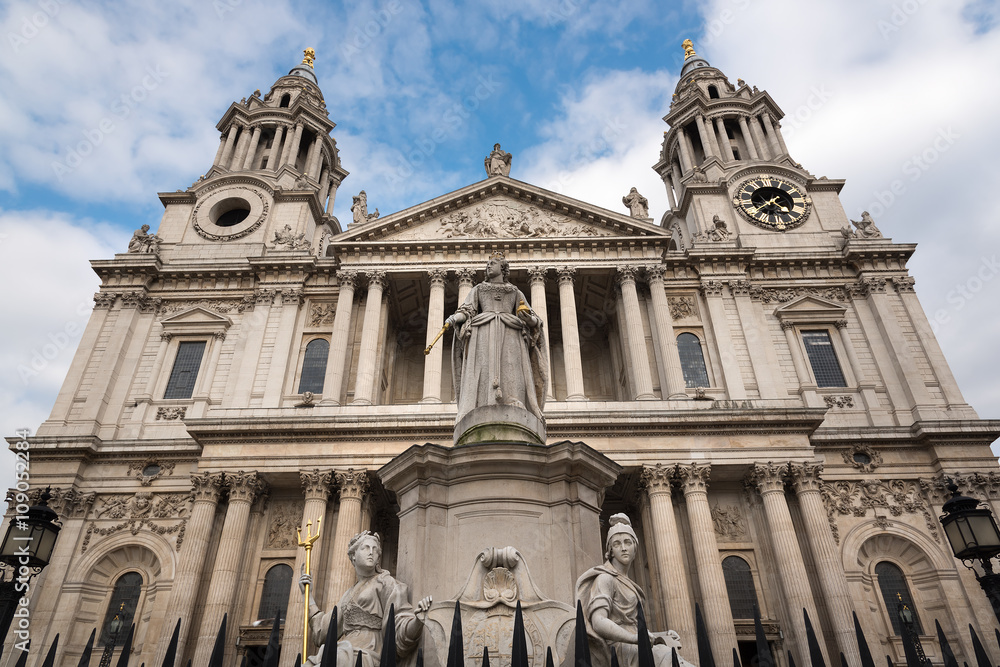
{"type": "Point", "coordinates": [185, 371]}
{"type": "Point", "coordinates": [823, 359]}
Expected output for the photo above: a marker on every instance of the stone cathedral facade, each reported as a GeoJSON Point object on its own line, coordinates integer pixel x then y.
{"type": "Point", "coordinates": [749, 375]}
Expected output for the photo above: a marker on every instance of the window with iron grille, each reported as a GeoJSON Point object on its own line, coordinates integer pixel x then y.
{"type": "Point", "coordinates": [692, 361]}
{"type": "Point", "coordinates": [895, 592]}
{"type": "Point", "coordinates": [739, 585]}
{"type": "Point", "coordinates": [314, 366]}
{"type": "Point", "coordinates": [823, 359]}
{"type": "Point", "coordinates": [124, 600]}
{"type": "Point", "coordinates": [185, 370]}
{"type": "Point", "coordinates": [274, 597]}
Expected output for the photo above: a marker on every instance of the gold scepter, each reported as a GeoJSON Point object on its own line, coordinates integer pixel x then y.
{"type": "Point", "coordinates": [447, 325]}
{"type": "Point", "coordinates": [307, 544]}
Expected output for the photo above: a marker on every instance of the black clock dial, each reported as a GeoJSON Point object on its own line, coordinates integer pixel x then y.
{"type": "Point", "coordinates": [771, 203]}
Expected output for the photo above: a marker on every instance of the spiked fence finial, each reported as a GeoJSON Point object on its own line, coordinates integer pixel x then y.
{"type": "Point", "coordinates": [88, 650]}
{"type": "Point", "coordinates": [171, 654]}
{"type": "Point", "coordinates": [764, 658]}
{"type": "Point", "coordinates": [50, 657]}
{"type": "Point", "coordinates": [388, 657]}
{"type": "Point", "coordinates": [982, 657]}
{"type": "Point", "coordinates": [456, 649]}
{"type": "Point", "coordinates": [705, 657]}
{"type": "Point", "coordinates": [815, 654]}
{"type": "Point", "coordinates": [866, 655]}
{"type": "Point", "coordinates": [271, 653]}
{"type": "Point", "coordinates": [218, 651]}
{"type": "Point", "coordinates": [126, 647]}
{"type": "Point", "coordinates": [946, 653]}
{"type": "Point", "coordinates": [645, 648]}
{"type": "Point", "coordinates": [519, 645]}
{"type": "Point", "coordinates": [330, 646]}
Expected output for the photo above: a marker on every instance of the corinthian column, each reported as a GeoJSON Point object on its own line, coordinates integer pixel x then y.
{"type": "Point", "coordinates": [333, 382]}
{"type": "Point", "coordinates": [353, 485]}
{"type": "Point", "coordinates": [715, 597]}
{"type": "Point", "coordinates": [466, 279]}
{"type": "Point", "coordinates": [316, 488]}
{"type": "Point", "coordinates": [665, 334]}
{"type": "Point", "coordinates": [634, 334]}
{"type": "Point", "coordinates": [205, 488]}
{"type": "Point", "coordinates": [570, 336]}
{"type": "Point", "coordinates": [536, 275]}
{"type": "Point", "coordinates": [364, 386]}
{"type": "Point", "coordinates": [435, 320]}
{"type": "Point", "coordinates": [244, 487]}
{"type": "Point", "coordinates": [770, 482]}
{"type": "Point", "coordinates": [832, 580]}
{"type": "Point", "coordinates": [669, 559]}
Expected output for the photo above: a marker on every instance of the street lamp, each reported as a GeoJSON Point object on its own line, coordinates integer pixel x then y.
{"type": "Point", "coordinates": [909, 627]}
{"type": "Point", "coordinates": [973, 535]}
{"type": "Point", "coordinates": [26, 549]}
{"type": "Point", "coordinates": [113, 628]}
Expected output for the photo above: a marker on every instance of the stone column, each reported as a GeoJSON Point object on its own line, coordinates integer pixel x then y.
{"type": "Point", "coordinates": [669, 182]}
{"type": "Point", "coordinates": [832, 579]}
{"type": "Point", "coordinates": [771, 138]}
{"type": "Point", "coordinates": [758, 135]}
{"type": "Point", "coordinates": [665, 334]}
{"type": "Point", "coordinates": [670, 560]}
{"type": "Point", "coordinates": [634, 334]}
{"type": "Point", "coordinates": [687, 154]}
{"type": "Point", "coordinates": [336, 364]}
{"type": "Point", "coordinates": [227, 152]}
{"type": "Point", "coordinates": [307, 168]}
{"type": "Point", "coordinates": [712, 581]}
{"type": "Point", "coordinates": [252, 149]}
{"type": "Point", "coordinates": [205, 488]}
{"type": "Point", "coordinates": [779, 138]}
{"type": "Point", "coordinates": [435, 320]}
{"type": "Point", "coordinates": [807, 386]}
{"type": "Point", "coordinates": [368, 360]}
{"type": "Point", "coordinates": [316, 488]}
{"type": "Point", "coordinates": [353, 485]}
{"type": "Point", "coordinates": [570, 336]}
{"type": "Point", "coordinates": [536, 276]}
{"type": "Point", "coordinates": [770, 482]}
{"type": "Point", "coordinates": [293, 146]}
{"type": "Point", "coordinates": [748, 139]}
{"type": "Point", "coordinates": [677, 180]}
{"type": "Point", "coordinates": [324, 185]}
{"type": "Point", "coordinates": [466, 279]}
{"type": "Point", "coordinates": [725, 146]}
{"type": "Point", "coordinates": [334, 184]}
{"type": "Point", "coordinates": [711, 291]}
{"type": "Point", "coordinates": [241, 149]}
{"type": "Point", "coordinates": [706, 139]}
{"type": "Point", "coordinates": [317, 161]}
{"type": "Point", "coordinates": [244, 487]}
{"type": "Point", "coordinates": [272, 160]}
{"type": "Point", "coordinates": [220, 150]}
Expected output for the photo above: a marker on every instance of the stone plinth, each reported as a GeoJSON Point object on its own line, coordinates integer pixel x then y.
{"type": "Point", "coordinates": [455, 502]}
{"type": "Point", "coordinates": [499, 423]}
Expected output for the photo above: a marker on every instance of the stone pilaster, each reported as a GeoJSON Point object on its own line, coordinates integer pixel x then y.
{"type": "Point", "coordinates": [643, 381]}
{"type": "Point", "coordinates": [353, 485]}
{"type": "Point", "coordinates": [570, 336]}
{"type": "Point", "coordinates": [435, 320]}
{"type": "Point", "coordinates": [665, 334]}
{"type": "Point", "coordinates": [364, 386]}
{"type": "Point", "coordinates": [711, 291]}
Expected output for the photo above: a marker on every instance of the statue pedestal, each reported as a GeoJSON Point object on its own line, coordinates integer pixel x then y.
{"type": "Point", "coordinates": [545, 501]}
{"type": "Point", "coordinates": [499, 423]}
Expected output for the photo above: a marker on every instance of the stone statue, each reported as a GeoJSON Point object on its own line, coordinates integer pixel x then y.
{"type": "Point", "coordinates": [499, 352]}
{"type": "Point", "coordinates": [611, 604]}
{"type": "Point", "coordinates": [866, 228]}
{"type": "Point", "coordinates": [497, 163]}
{"type": "Point", "coordinates": [719, 231]}
{"type": "Point", "coordinates": [360, 209]}
{"type": "Point", "coordinates": [285, 237]}
{"type": "Point", "coordinates": [638, 205]}
{"type": "Point", "coordinates": [364, 609]}
{"type": "Point", "coordinates": [144, 242]}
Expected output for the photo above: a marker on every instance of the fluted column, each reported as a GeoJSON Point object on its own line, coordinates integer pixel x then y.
{"type": "Point", "coordinates": [832, 579]}
{"type": "Point", "coordinates": [272, 159]}
{"type": "Point", "coordinates": [316, 489]}
{"type": "Point", "coordinates": [724, 145]}
{"type": "Point", "coordinates": [244, 487]}
{"type": "Point", "coordinates": [466, 279]}
{"type": "Point", "coordinates": [675, 592]}
{"type": "Point", "coordinates": [770, 482]}
{"type": "Point", "coordinates": [772, 140]}
{"type": "Point", "coordinates": [748, 139]}
{"type": "Point", "coordinates": [353, 485]}
{"type": "Point", "coordinates": [292, 148]}
{"type": "Point", "coordinates": [643, 386]}
{"type": "Point", "coordinates": [714, 596]}
{"type": "Point", "coordinates": [364, 387]}
{"type": "Point", "coordinates": [205, 489]}
{"type": "Point", "coordinates": [252, 149]}
{"type": "Point", "coordinates": [758, 135]}
{"type": "Point", "coordinates": [687, 154]}
{"type": "Point", "coordinates": [707, 141]}
{"type": "Point", "coordinates": [241, 149]}
{"type": "Point", "coordinates": [435, 320]}
{"type": "Point", "coordinates": [227, 152]}
{"type": "Point", "coordinates": [536, 277]}
{"type": "Point", "coordinates": [336, 365]}
{"type": "Point", "coordinates": [665, 334]}
{"type": "Point", "coordinates": [307, 168]}
{"type": "Point", "coordinates": [570, 336]}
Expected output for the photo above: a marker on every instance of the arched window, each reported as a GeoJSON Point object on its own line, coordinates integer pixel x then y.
{"type": "Point", "coordinates": [314, 366]}
{"type": "Point", "coordinates": [739, 584]}
{"type": "Point", "coordinates": [713, 92]}
{"type": "Point", "coordinates": [285, 99]}
{"type": "Point", "coordinates": [124, 600]}
{"type": "Point", "coordinates": [692, 361]}
{"type": "Point", "coordinates": [895, 593]}
{"type": "Point", "coordinates": [274, 597]}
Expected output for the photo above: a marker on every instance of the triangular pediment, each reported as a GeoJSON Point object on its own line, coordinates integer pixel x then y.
{"type": "Point", "coordinates": [810, 308]}
{"type": "Point", "coordinates": [500, 209]}
{"type": "Point", "coordinates": [196, 319]}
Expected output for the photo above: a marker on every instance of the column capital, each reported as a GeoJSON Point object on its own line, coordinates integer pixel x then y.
{"type": "Point", "coordinates": [840, 324]}
{"type": "Point", "coordinates": [245, 486]}
{"type": "Point", "coordinates": [466, 276]}
{"type": "Point", "coordinates": [347, 278]}
{"type": "Point", "coordinates": [694, 477]}
{"type": "Point", "coordinates": [536, 274]}
{"type": "Point", "coordinates": [436, 277]}
{"type": "Point", "coordinates": [206, 486]}
{"type": "Point", "coordinates": [658, 478]}
{"type": "Point", "coordinates": [806, 476]}
{"type": "Point", "coordinates": [903, 283]}
{"type": "Point", "coordinates": [316, 483]}
{"type": "Point", "coordinates": [378, 278]}
{"type": "Point", "coordinates": [786, 325]}
{"type": "Point", "coordinates": [711, 288]}
{"type": "Point", "coordinates": [566, 274]}
{"type": "Point", "coordinates": [352, 483]}
{"type": "Point", "coordinates": [768, 477]}
{"type": "Point", "coordinates": [654, 273]}
{"type": "Point", "coordinates": [626, 274]}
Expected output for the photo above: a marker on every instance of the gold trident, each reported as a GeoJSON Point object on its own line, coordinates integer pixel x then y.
{"type": "Point", "coordinates": [307, 544]}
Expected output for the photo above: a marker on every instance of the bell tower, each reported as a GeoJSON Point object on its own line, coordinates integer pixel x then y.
{"type": "Point", "coordinates": [273, 181]}
{"type": "Point", "coordinates": [727, 170]}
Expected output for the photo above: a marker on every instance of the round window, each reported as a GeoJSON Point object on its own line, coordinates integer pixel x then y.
{"type": "Point", "coordinates": [151, 470]}
{"type": "Point", "coordinates": [862, 458]}
{"type": "Point", "coordinates": [230, 212]}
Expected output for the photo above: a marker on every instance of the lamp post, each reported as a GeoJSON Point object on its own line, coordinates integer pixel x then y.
{"type": "Point", "coordinates": [113, 629]}
{"type": "Point", "coordinates": [909, 627]}
{"type": "Point", "coordinates": [25, 551]}
{"type": "Point", "coordinates": [973, 535]}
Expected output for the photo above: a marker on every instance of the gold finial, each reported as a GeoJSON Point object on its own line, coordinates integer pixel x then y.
{"type": "Point", "coordinates": [688, 48]}
{"type": "Point", "coordinates": [310, 56]}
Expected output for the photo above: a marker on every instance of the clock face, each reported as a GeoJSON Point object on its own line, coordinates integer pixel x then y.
{"type": "Point", "coordinates": [772, 203]}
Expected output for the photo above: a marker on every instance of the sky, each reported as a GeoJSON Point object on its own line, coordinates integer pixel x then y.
{"type": "Point", "coordinates": [106, 104]}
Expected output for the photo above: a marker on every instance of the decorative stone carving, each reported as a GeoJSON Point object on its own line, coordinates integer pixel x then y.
{"type": "Point", "coordinates": [347, 278]}
{"type": "Point", "coordinates": [207, 486]}
{"type": "Point", "coordinates": [245, 486]}
{"type": "Point", "coordinates": [626, 274]}
{"type": "Point", "coordinates": [150, 469]}
{"type": "Point", "coordinates": [377, 278]}
{"type": "Point", "coordinates": [144, 242]}
{"type": "Point", "coordinates": [308, 399]}
{"type": "Point", "coordinates": [316, 484]}
{"type": "Point", "coordinates": [67, 503]}
{"type": "Point", "coordinates": [566, 274]}
{"type": "Point", "coordinates": [857, 498]}
{"type": "Point", "coordinates": [658, 478]}
{"type": "Point", "coordinates": [785, 295]}
{"type": "Point", "coordinates": [282, 523]}
{"type": "Point", "coordinates": [466, 277]}
{"type": "Point", "coordinates": [839, 401]}
{"type": "Point", "coordinates": [321, 313]}
{"type": "Point", "coordinates": [503, 218]}
{"type": "Point", "coordinates": [710, 288]}
{"type": "Point", "coordinates": [694, 476]}
{"type": "Point", "coordinates": [768, 477]}
{"type": "Point", "coordinates": [352, 483]}
{"type": "Point", "coordinates": [104, 300]}
{"type": "Point", "coordinates": [239, 305]}
{"type": "Point", "coordinates": [170, 414]}
{"type": "Point", "coordinates": [971, 484]}
{"type": "Point", "coordinates": [903, 283]}
{"type": "Point", "coordinates": [865, 227]}
{"type": "Point", "coordinates": [681, 307]}
{"type": "Point", "coordinates": [638, 206]}
{"type": "Point", "coordinates": [497, 163]}
{"type": "Point", "coordinates": [718, 233]}
{"type": "Point", "coordinates": [729, 523]}
{"type": "Point", "coordinates": [805, 476]}
{"type": "Point", "coordinates": [866, 286]}
{"type": "Point", "coordinates": [359, 208]}
{"type": "Point", "coordinates": [284, 237]}
{"type": "Point", "coordinates": [863, 457]}
{"type": "Point", "coordinates": [140, 300]}
{"type": "Point", "coordinates": [144, 510]}
{"type": "Point", "coordinates": [537, 274]}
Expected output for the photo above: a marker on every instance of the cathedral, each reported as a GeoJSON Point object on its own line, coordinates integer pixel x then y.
{"type": "Point", "coordinates": [748, 376]}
